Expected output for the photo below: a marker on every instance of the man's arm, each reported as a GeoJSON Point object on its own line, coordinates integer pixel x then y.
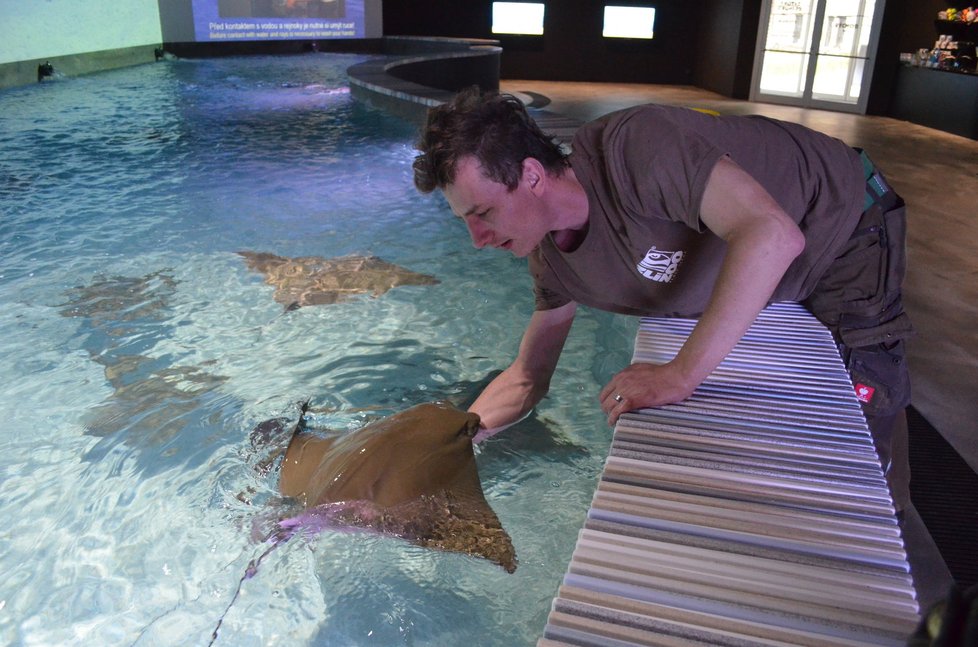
{"type": "Point", "coordinates": [762, 241]}
{"type": "Point", "coordinates": [520, 387]}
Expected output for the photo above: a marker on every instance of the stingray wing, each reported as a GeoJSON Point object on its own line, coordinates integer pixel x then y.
{"type": "Point", "coordinates": [441, 521]}
{"type": "Point", "coordinates": [447, 521]}
{"type": "Point", "coordinates": [403, 476]}
{"type": "Point", "coordinates": [455, 517]}
{"type": "Point", "coordinates": [312, 280]}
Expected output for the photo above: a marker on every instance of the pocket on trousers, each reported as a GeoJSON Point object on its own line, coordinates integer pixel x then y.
{"type": "Point", "coordinates": [880, 376]}
{"type": "Point", "coordinates": [896, 242]}
{"type": "Point", "coordinates": [856, 279]}
{"type": "Point", "coordinates": [857, 332]}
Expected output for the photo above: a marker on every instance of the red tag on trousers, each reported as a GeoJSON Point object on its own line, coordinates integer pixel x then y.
{"type": "Point", "coordinates": [864, 393]}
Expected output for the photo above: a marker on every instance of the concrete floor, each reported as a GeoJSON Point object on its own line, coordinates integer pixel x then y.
{"type": "Point", "coordinates": [937, 175]}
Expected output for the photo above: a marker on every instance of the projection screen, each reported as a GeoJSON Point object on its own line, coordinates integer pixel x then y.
{"type": "Point", "coordinates": [238, 20]}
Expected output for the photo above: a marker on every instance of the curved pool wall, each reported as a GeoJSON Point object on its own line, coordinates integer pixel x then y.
{"type": "Point", "coordinates": [421, 72]}
{"type": "Point", "coordinates": [140, 352]}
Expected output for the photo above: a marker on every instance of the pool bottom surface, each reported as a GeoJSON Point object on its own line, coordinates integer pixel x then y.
{"type": "Point", "coordinates": [141, 352]}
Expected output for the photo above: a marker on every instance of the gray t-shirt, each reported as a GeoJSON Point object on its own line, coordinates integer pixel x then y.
{"type": "Point", "coordinates": [644, 171]}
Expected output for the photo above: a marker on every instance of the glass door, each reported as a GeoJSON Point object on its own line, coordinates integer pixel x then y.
{"type": "Point", "coordinates": [816, 53]}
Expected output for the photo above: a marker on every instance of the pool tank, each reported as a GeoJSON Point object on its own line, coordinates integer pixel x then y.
{"type": "Point", "coordinates": [140, 351]}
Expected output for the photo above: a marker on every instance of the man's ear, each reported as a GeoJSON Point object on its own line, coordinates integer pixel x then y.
{"type": "Point", "coordinates": [533, 173]}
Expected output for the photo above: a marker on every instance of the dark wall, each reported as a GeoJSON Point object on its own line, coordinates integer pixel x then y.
{"type": "Point", "coordinates": [726, 36]}
{"type": "Point", "coordinates": [908, 25]}
{"type": "Point", "coordinates": [453, 18]}
{"type": "Point", "coordinates": [708, 43]}
{"type": "Point", "coordinates": [914, 22]}
{"type": "Point", "coordinates": [572, 48]}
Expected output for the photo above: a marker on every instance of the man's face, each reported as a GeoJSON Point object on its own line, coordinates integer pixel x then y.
{"type": "Point", "coordinates": [494, 215]}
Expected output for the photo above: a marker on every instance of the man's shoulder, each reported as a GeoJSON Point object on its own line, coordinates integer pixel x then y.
{"type": "Point", "coordinates": [623, 116]}
{"type": "Point", "coordinates": [646, 119]}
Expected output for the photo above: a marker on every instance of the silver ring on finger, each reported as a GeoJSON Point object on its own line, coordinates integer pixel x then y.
{"type": "Point", "coordinates": [618, 397]}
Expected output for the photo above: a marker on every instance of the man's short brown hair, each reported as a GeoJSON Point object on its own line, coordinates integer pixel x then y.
{"type": "Point", "coordinates": [494, 128]}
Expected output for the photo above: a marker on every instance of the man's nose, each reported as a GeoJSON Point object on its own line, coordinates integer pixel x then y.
{"type": "Point", "coordinates": [480, 233]}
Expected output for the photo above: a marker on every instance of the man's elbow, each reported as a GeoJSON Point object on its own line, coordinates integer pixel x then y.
{"type": "Point", "coordinates": [779, 240]}
{"type": "Point", "coordinates": [792, 242]}
{"type": "Point", "coordinates": [782, 238]}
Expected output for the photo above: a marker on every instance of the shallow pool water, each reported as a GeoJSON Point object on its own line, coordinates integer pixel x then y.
{"type": "Point", "coordinates": [139, 352]}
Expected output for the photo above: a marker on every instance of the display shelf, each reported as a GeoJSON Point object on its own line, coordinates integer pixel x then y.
{"type": "Point", "coordinates": [938, 99]}
{"type": "Point", "coordinates": [957, 29]}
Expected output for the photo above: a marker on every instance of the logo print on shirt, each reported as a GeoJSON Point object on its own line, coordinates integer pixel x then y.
{"type": "Point", "coordinates": [660, 266]}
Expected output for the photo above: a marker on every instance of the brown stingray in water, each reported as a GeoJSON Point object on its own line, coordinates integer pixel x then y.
{"type": "Point", "coordinates": [311, 280]}
{"type": "Point", "coordinates": [412, 475]}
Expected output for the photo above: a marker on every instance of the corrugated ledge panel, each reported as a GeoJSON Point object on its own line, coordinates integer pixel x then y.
{"type": "Point", "coordinates": [754, 513]}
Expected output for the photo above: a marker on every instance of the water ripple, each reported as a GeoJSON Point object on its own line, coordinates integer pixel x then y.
{"type": "Point", "coordinates": [140, 352]}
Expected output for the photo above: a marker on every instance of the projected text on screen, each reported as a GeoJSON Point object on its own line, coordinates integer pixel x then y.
{"type": "Point", "coordinates": [224, 20]}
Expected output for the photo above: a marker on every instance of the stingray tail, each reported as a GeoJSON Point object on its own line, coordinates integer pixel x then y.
{"type": "Point", "coordinates": [281, 533]}
{"type": "Point", "coordinates": [278, 536]}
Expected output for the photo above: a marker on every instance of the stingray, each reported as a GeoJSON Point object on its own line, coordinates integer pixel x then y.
{"type": "Point", "coordinates": [311, 280]}
{"type": "Point", "coordinates": [151, 399]}
{"type": "Point", "coordinates": [412, 475]}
